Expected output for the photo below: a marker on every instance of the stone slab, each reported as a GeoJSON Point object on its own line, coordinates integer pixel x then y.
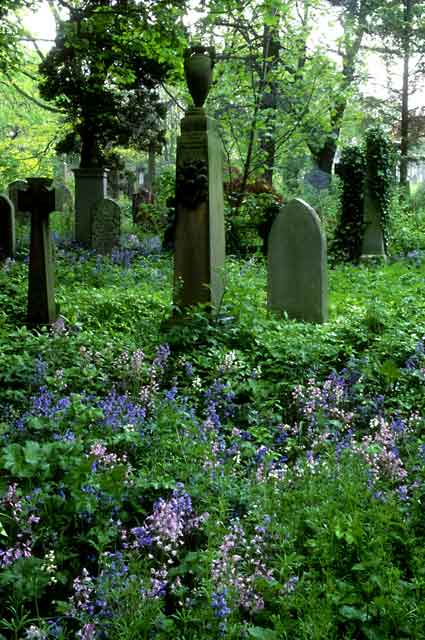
{"type": "Point", "coordinates": [106, 225]}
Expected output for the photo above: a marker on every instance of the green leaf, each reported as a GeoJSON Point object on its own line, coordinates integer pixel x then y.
{"type": "Point", "coordinates": [351, 613]}
{"type": "Point", "coordinates": [262, 634]}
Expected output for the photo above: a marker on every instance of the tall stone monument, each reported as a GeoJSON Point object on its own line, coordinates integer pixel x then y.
{"type": "Point", "coordinates": [7, 228]}
{"type": "Point", "coordinates": [297, 264]}
{"type": "Point", "coordinates": [90, 187]}
{"type": "Point", "coordinates": [200, 237]}
{"type": "Point", "coordinates": [39, 200]}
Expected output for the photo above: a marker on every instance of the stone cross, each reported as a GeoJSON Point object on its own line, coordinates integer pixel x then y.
{"type": "Point", "coordinates": [39, 200]}
{"type": "Point", "coordinates": [7, 228]}
{"type": "Point", "coordinates": [199, 236]}
{"type": "Point", "coordinates": [297, 264]}
{"type": "Point", "coordinates": [106, 225]}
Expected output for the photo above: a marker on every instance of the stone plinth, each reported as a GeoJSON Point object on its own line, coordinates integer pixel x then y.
{"type": "Point", "coordinates": [200, 237]}
{"type": "Point", "coordinates": [7, 228]}
{"type": "Point", "coordinates": [90, 187]}
{"type": "Point", "coordinates": [297, 264]}
{"type": "Point", "coordinates": [39, 200]}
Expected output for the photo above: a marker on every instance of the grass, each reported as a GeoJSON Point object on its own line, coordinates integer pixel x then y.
{"type": "Point", "coordinates": [243, 478]}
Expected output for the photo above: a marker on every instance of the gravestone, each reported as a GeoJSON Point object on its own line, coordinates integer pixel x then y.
{"type": "Point", "coordinates": [7, 228]}
{"type": "Point", "coordinates": [317, 179]}
{"type": "Point", "coordinates": [63, 199]}
{"type": "Point", "coordinates": [13, 190]}
{"type": "Point", "coordinates": [90, 187]}
{"type": "Point", "coordinates": [297, 264]}
{"type": "Point", "coordinates": [199, 232]}
{"type": "Point", "coordinates": [373, 245]}
{"type": "Point", "coordinates": [39, 200]}
{"type": "Point", "coordinates": [106, 225]}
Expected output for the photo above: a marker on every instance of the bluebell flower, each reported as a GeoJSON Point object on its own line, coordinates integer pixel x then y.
{"type": "Point", "coordinates": [219, 604]}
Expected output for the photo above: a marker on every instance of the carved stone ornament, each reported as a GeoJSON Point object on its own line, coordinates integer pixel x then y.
{"type": "Point", "coordinates": [198, 66]}
{"type": "Point", "coordinates": [192, 183]}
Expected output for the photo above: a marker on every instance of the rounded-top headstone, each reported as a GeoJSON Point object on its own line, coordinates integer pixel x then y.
{"type": "Point", "coordinates": [297, 264]}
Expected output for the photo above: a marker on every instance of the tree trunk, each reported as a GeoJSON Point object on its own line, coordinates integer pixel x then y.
{"type": "Point", "coordinates": [90, 152]}
{"type": "Point", "coordinates": [150, 178]}
{"type": "Point", "coordinates": [404, 131]}
{"type": "Point", "coordinates": [268, 100]}
{"type": "Point", "coordinates": [323, 158]}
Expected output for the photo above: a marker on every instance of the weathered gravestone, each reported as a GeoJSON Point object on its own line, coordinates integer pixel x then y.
{"type": "Point", "coordinates": [373, 245]}
{"type": "Point", "coordinates": [7, 228]}
{"type": "Point", "coordinates": [90, 187]}
{"type": "Point", "coordinates": [63, 199]}
{"type": "Point", "coordinates": [13, 190]}
{"type": "Point", "coordinates": [199, 236]}
{"type": "Point", "coordinates": [39, 200]}
{"type": "Point", "coordinates": [297, 264]}
{"type": "Point", "coordinates": [106, 225]}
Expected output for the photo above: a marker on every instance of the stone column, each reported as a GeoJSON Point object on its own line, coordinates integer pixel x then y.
{"type": "Point", "coordinates": [90, 187]}
{"type": "Point", "coordinates": [200, 237]}
{"type": "Point", "coordinates": [39, 200]}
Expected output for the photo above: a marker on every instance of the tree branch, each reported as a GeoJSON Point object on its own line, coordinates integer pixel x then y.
{"type": "Point", "coordinates": [29, 97]}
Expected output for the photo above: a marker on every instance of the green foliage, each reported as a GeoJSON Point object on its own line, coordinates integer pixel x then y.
{"type": "Point", "coordinates": [105, 70]}
{"type": "Point", "coordinates": [300, 447]}
{"type": "Point", "coordinates": [347, 244]}
{"type": "Point", "coordinates": [407, 219]}
{"type": "Point", "coordinates": [10, 31]}
{"type": "Point", "coordinates": [27, 131]}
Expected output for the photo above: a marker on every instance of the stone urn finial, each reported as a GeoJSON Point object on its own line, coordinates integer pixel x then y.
{"type": "Point", "coordinates": [198, 65]}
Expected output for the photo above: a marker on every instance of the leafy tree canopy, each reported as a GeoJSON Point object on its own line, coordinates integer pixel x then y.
{"type": "Point", "coordinates": [104, 72]}
{"type": "Point", "coordinates": [11, 30]}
